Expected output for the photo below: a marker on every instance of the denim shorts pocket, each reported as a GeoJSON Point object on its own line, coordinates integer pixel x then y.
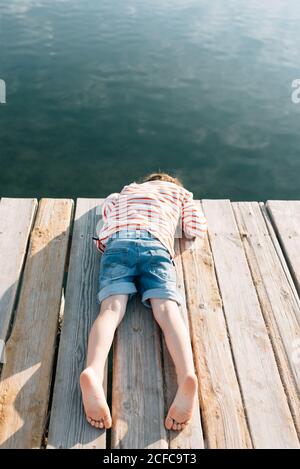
{"type": "Point", "coordinates": [160, 252]}
{"type": "Point", "coordinates": [163, 271]}
{"type": "Point", "coordinates": [115, 254]}
{"type": "Point", "coordinates": [112, 251]}
{"type": "Point", "coordinates": [160, 264]}
{"type": "Point", "coordinates": [114, 263]}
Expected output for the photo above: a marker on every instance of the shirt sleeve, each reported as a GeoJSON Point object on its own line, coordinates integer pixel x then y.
{"type": "Point", "coordinates": [194, 223]}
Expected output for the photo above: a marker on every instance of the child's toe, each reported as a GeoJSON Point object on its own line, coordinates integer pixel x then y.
{"type": "Point", "coordinates": [169, 423]}
{"type": "Point", "coordinates": [107, 421]}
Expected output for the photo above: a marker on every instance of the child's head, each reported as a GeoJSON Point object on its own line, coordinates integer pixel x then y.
{"type": "Point", "coordinates": [162, 177]}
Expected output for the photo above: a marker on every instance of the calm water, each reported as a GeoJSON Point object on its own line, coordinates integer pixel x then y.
{"type": "Point", "coordinates": [100, 92]}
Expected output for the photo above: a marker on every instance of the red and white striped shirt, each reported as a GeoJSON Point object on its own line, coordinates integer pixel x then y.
{"type": "Point", "coordinates": [163, 208]}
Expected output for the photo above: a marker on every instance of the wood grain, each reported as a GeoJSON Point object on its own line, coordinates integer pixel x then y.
{"type": "Point", "coordinates": [270, 421]}
{"type": "Point", "coordinates": [285, 215]}
{"type": "Point", "coordinates": [223, 416]}
{"type": "Point", "coordinates": [16, 218]}
{"type": "Point", "coordinates": [279, 306]}
{"type": "Point", "coordinates": [68, 425]}
{"type": "Point", "coordinates": [26, 376]}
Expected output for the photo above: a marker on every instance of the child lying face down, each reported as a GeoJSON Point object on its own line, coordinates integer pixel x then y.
{"type": "Point", "coordinates": [137, 241]}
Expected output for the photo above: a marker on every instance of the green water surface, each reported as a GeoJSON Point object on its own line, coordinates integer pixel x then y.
{"type": "Point", "coordinates": [100, 92]}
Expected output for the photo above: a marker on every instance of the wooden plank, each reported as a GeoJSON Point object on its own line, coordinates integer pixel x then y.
{"type": "Point", "coordinates": [16, 218]}
{"type": "Point", "coordinates": [270, 421]}
{"type": "Point", "coordinates": [137, 390]}
{"type": "Point", "coordinates": [279, 251]}
{"type": "Point", "coordinates": [26, 376]}
{"type": "Point", "coordinates": [223, 416]}
{"type": "Point", "coordinates": [68, 426]}
{"type": "Point", "coordinates": [285, 216]}
{"type": "Point", "coordinates": [191, 437]}
{"type": "Point", "coordinates": [280, 309]}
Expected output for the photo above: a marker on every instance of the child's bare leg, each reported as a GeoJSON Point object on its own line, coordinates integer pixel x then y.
{"type": "Point", "coordinates": [167, 314]}
{"type": "Point", "coordinates": [100, 340]}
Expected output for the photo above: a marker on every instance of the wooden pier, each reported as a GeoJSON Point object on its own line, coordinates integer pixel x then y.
{"type": "Point", "coordinates": [242, 309]}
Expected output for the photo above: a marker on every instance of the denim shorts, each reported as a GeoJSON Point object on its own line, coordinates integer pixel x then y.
{"type": "Point", "coordinates": [137, 262]}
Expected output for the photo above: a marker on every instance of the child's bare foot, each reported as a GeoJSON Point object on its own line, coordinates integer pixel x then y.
{"type": "Point", "coordinates": [182, 407]}
{"type": "Point", "coordinates": [94, 401]}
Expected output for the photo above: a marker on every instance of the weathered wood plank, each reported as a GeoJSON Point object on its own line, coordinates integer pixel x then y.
{"type": "Point", "coordinates": [68, 426]}
{"type": "Point", "coordinates": [279, 251]}
{"type": "Point", "coordinates": [285, 215]}
{"type": "Point", "coordinates": [16, 218]}
{"type": "Point", "coordinates": [26, 376]}
{"type": "Point", "coordinates": [270, 421]}
{"type": "Point", "coordinates": [191, 437]}
{"type": "Point", "coordinates": [223, 416]}
{"type": "Point", "coordinates": [137, 389]}
{"type": "Point", "coordinates": [280, 309]}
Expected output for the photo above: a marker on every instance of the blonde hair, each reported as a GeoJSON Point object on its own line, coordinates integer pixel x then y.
{"type": "Point", "coordinates": [162, 177]}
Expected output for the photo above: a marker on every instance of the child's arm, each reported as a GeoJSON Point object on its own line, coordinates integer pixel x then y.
{"type": "Point", "coordinates": [194, 223]}
{"type": "Point", "coordinates": [107, 206]}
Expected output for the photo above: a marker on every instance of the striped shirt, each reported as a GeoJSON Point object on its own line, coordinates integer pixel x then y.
{"type": "Point", "coordinates": [163, 208]}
